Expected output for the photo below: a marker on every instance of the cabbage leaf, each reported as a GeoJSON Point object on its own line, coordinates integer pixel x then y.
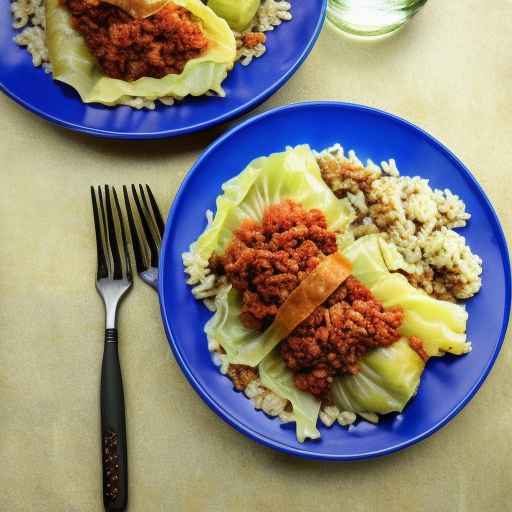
{"type": "Point", "coordinates": [292, 174]}
{"type": "Point", "coordinates": [225, 326]}
{"type": "Point", "coordinates": [73, 64]}
{"type": "Point", "coordinates": [242, 345]}
{"type": "Point", "coordinates": [226, 329]}
{"type": "Point", "coordinates": [440, 325]}
{"type": "Point", "coordinates": [238, 13]}
{"type": "Point", "coordinates": [388, 378]}
{"type": "Point", "coordinates": [278, 378]}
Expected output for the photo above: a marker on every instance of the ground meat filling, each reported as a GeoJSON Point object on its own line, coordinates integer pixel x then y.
{"type": "Point", "coordinates": [241, 375]}
{"type": "Point", "coordinates": [337, 335]}
{"type": "Point", "coordinates": [128, 48]}
{"type": "Point", "coordinates": [253, 39]}
{"type": "Point", "coordinates": [266, 261]}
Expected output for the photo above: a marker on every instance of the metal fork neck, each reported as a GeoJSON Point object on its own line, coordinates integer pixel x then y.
{"type": "Point", "coordinates": [110, 317]}
{"type": "Point", "coordinates": [112, 292]}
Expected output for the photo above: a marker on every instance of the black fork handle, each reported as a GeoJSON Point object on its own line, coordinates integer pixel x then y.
{"type": "Point", "coordinates": [113, 428]}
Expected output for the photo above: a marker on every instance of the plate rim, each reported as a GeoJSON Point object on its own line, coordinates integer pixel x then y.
{"type": "Point", "coordinates": [252, 433]}
{"type": "Point", "coordinates": [198, 127]}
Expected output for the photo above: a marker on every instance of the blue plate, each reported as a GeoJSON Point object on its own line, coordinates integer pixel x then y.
{"type": "Point", "coordinates": [448, 382]}
{"type": "Point", "coordinates": [287, 47]}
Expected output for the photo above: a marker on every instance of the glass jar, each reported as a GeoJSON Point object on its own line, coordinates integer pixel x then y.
{"type": "Point", "coordinates": [372, 17]}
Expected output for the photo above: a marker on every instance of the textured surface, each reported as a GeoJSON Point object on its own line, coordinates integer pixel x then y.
{"type": "Point", "coordinates": [449, 71]}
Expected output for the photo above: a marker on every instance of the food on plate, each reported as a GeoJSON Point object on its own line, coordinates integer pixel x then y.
{"type": "Point", "coordinates": [314, 317]}
{"type": "Point", "coordinates": [287, 288]}
{"type": "Point", "coordinates": [137, 52]}
{"type": "Point", "coordinates": [130, 48]}
{"type": "Point", "coordinates": [413, 218]}
{"type": "Point", "coordinates": [109, 57]}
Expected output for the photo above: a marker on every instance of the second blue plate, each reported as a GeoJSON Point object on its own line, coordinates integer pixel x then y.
{"type": "Point", "coordinates": [246, 87]}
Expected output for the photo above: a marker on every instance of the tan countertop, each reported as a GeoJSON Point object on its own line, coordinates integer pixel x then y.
{"type": "Point", "coordinates": [449, 71]}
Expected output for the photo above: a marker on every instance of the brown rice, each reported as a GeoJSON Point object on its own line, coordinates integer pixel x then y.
{"type": "Point", "coordinates": [414, 218]}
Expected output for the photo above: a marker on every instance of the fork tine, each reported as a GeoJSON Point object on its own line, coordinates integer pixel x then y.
{"type": "Point", "coordinates": [150, 240]}
{"type": "Point", "coordinates": [149, 218]}
{"type": "Point", "coordinates": [156, 212]}
{"type": "Point", "coordinates": [128, 264]}
{"type": "Point", "coordinates": [112, 238]}
{"type": "Point", "coordinates": [103, 232]}
{"type": "Point", "coordinates": [137, 250]}
{"type": "Point", "coordinates": [102, 271]}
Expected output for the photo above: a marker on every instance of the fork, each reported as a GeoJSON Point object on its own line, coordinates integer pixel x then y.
{"type": "Point", "coordinates": [113, 280]}
{"type": "Point", "coordinates": [147, 239]}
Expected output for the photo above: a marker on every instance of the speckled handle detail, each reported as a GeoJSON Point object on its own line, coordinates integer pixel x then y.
{"type": "Point", "coordinates": [113, 428]}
